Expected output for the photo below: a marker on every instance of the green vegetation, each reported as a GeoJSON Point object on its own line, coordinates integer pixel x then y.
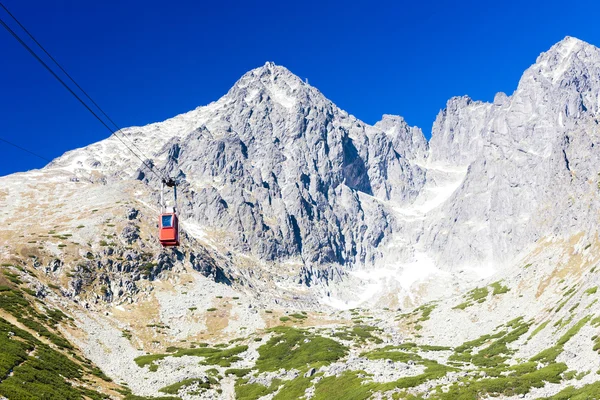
{"type": "Point", "coordinates": [294, 389]}
{"type": "Point", "coordinates": [549, 355]}
{"type": "Point", "coordinates": [352, 385]}
{"type": "Point", "coordinates": [498, 288]}
{"type": "Point", "coordinates": [568, 294]}
{"type": "Point", "coordinates": [294, 348]}
{"type": "Point", "coordinates": [426, 347]}
{"type": "Point", "coordinates": [596, 340]}
{"type": "Point", "coordinates": [479, 295]}
{"type": "Point", "coordinates": [284, 319]}
{"type": "Point", "coordinates": [573, 331]}
{"type": "Point", "coordinates": [239, 372]}
{"type": "Point", "coordinates": [159, 326]}
{"type": "Point", "coordinates": [516, 384]}
{"type": "Point", "coordinates": [433, 370]}
{"type": "Point", "coordinates": [226, 357]}
{"type": "Point", "coordinates": [591, 304]}
{"type": "Point", "coordinates": [253, 391]}
{"type": "Point", "coordinates": [569, 375]}
{"type": "Point", "coordinates": [591, 290]}
{"type": "Point", "coordinates": [211, 309]}
{"type": "Point", "coordinates": [462, 306]}
{"type": "Point", "coordinates": [406, 346]}
{"type": "Point", "coordinates": [14, 302]}
{"type": "Point", "coordinates": [347, 386]}
{"type": "Point", "coordinates": [359, 333]}
{"type": "Point", "coordinates": [493, 357]}
{"type": "Point", "coordinates": [391, 353]}
{"type": "Point", "coordinates": [200, 383]}
{"type": "Point", "coordinates": [586, 392]}
{"type": "Point", "coordinates": [425, 310]}
{"type": "Point", "coordinates": [14, 278]}
{"type": "Point", "coordinates": [212, 356]}
{"type": "Point", "coordinates": [570, 291]}
{"type": "Point", "coordinates": [39, 371]}
{"type": "Point", "coordinates": [573, 308]}
{"type": "Point", "coordinates": [142, 361]}
{"type": "Point", "coordinates": [538, 329]}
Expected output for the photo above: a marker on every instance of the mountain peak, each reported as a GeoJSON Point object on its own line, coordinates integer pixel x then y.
{"type": "Point", "coordinates": [561, 57]}
{"type": "Point", "coordinates": [271, 68]}
{"type": "Point", "coordinates": [274, 81]}
{"type": "Point", "coordinates": [565, 48]}
{"type": "Point", "coordinates": [409, 140]}
{"type": "Point", "coordinates": [269, 73]}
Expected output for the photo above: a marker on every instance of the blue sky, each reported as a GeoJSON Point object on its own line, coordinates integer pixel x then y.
{"type": "Point", "coordinates": [145, 61]}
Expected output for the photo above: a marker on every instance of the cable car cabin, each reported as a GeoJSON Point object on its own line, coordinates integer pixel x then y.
{"type": "Point", "coordinates": [168, 227]}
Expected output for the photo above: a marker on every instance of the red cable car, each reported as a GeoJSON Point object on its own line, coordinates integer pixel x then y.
{"type": "Point", "coordinates": [168, 223]}
{"type": "Point", "coordinates": [168, 226]}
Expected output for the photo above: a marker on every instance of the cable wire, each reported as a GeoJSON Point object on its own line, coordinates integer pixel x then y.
{"type": "Point", "coordinates": [24, 149]}
{"type": "Point", "coordinates": [16, 36]}
{"type": "Point", "coordinates": [119, 129]}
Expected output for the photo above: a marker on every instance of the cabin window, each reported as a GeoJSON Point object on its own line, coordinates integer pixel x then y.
{"type": "Point", "coordinates": [167, 221]}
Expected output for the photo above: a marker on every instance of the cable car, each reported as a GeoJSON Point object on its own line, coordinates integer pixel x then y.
{"type": "Point", "coordinates": [168, 227]}
{"type": "Point", "coordinates": [168, 223]}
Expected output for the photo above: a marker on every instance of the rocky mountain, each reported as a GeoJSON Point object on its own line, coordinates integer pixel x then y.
{"type": "Point", "coordinates": [308, 239]}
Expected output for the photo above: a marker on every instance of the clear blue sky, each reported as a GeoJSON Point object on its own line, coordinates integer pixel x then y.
{"type": "Point", "coordinates": [145, 61]}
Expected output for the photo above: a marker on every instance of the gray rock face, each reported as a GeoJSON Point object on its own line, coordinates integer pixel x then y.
{"type": "Point", "coordinates": [130, 233]}
{"type": "Point", "coordinates": [278, 167]}
{"type": "Point", "coordinates": [532, 160]}
{"type": "Point", "coordinates": [275, 170]}
{"type": "Point", "coordinates": [408, 141]}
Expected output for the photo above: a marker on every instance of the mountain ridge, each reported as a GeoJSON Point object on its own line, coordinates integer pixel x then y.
{"type": "Point", "coordinates": [463, 266]}
{"type": "Point", "coordinates": [276, 125]}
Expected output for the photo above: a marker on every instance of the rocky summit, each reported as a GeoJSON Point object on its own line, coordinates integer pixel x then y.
{"type": "Point", "coordinates": [321, 257]}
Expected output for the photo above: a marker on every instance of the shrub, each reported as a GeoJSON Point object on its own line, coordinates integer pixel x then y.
{"type": "Point", "coordinates": [294, 348]}
{"type": "Point", "coordinates": [592, 290]}
{"type": "Point", "coordinates": [499, 288]}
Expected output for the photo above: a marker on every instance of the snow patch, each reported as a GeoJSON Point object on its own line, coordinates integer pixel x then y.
{"type": "Point", "coordinates": [442, 182]}
{"type": "Point", "coordinates": [376, 280]}
{"type": "Point", "coordinates": [280, 96]}
{"type": "Point", "coordinates": [251, 95]}
{"type": "Point", "coordinates": [565, 49]}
